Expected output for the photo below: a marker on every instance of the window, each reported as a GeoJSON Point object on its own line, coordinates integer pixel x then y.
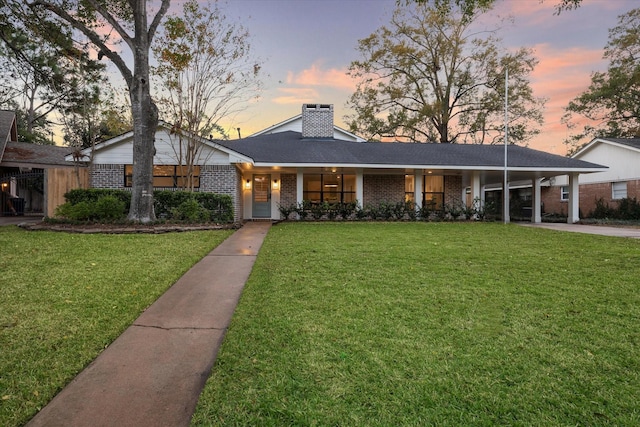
{"type": "Point", "coordinates": [564, 193]}
{"type": "Point", "coordinates": [619, 190]}
{"type": "Point", "coordinates": [332, 188]}
{"type": "Point", "coordinates": [409, 188]}
{"type": "Point", "coordinates": [433, 194]}
{"type": "Point", "coordinates": [166, 176]}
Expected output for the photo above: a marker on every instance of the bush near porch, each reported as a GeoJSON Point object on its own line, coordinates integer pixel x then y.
{"type": "Point", "coordinates": [385, 211]}
{"type": "Point", "coordinates": [449, 324]}
{"type": "Point", "coordinates": [108, 205]}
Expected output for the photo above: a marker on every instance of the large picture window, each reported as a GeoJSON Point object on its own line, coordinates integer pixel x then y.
{"type": "Point", "coordinates": [333, 188]}
{"type": "Point", "coordinates": [433, 194]}
{"type": "Point", "coordinates": [166, 176]}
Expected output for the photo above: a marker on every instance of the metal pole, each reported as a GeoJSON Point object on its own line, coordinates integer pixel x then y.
{"type": "Point", "coordinates": [505, 183]}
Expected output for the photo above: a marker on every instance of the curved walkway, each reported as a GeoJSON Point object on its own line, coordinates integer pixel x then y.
{"type": "Point", "coordinates": [153, 374]}
{"type": "Point", "coordinates": [588, 229]}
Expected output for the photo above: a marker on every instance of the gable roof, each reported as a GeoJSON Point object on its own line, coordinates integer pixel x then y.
{"type": "Point", "coordinates": [85, 153]}
{"type": "Point", "coordinates": [23, 154]}
{"type": "Point", "coordinates": [295, 124]}
{"type": "Point", "coordinates": [627, 143]}
{"type": "Point", "coordinates": [290, 149]}
{"type": "Point", "coordinates": [8, 129]}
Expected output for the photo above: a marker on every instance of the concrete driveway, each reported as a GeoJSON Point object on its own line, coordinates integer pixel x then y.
{"type": "Point", "coordinates": [633, 233]}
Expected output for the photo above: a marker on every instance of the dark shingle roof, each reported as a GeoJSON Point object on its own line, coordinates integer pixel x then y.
{"type": "Point", "coordinates": [290, 148]}
{"type": "Point", "coordinates": [6, 122]}
{"type": "Point", "coordinates": [35, 154]}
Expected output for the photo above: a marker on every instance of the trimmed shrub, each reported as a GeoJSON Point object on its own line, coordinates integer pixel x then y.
{"type": "Point", "coordinates": [190, 210]}
{"type": "Point", "coordinates": [106, 205]}
{"type": "Point", "coordinates": [109, 208]}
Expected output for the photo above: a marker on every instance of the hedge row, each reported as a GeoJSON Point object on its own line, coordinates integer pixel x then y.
{"type": "Point", "coordinates": [107, 205]}
{"type": "Point", "coordinates": [387, 211]}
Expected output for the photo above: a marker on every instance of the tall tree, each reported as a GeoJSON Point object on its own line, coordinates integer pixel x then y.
{"type": "Point", "coordinates": [102, 22]}
{"type": "Point", "coordinates": [428, 77]}
{"type": "Point", "coordinates": [207, 73]}
{"type": "Point", "coordinates": [40, 77]}
{"type": "Point", "coordinates": [611, 104]}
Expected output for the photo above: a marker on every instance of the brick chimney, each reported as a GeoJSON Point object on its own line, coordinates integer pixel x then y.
{"type": "Point", "coordinates": [317, 120]}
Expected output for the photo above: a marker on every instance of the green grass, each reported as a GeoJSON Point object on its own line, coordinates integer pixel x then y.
{"type": "Point", "coordinates": [66, 297]}
{"type": "Point", "coordinates": [371, 324]}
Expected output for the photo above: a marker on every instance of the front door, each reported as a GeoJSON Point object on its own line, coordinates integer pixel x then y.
{"type": "Point", "coordinates": [261, 196]}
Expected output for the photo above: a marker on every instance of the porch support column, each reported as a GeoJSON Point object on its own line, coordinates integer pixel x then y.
{"type": "Point", "coordinates": [475, 191]}
{"type": "Point", "coordinates": [417, 188]}
{"type": "Point", "coordinates": [536, 216]}
{"type": "Point", "coordinates": [360, 187]}
{"type": "Point", "coordinates": [299, 185]}
{"type": "Point", "coordinates": [574, 199]}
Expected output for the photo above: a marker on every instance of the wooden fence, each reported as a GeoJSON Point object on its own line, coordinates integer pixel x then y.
{"type": "Point", "coordinates": [60, 181]}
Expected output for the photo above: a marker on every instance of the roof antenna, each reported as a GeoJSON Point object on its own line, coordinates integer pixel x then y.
{"type": "Point", "coordinates": [239, 137]}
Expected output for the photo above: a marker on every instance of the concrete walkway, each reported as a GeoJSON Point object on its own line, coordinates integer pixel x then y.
{"type": "Point", "coordinates": [153, 374]}
{"type": "Point", "coordinates": [588, 229]}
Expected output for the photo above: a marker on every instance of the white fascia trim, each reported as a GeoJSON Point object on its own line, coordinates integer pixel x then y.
{"type": "Point", "coordinates": [277, 125]}
{"type": "Point", "coordinates": [441, 167]}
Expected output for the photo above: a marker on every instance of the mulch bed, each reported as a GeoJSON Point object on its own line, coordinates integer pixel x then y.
{"type": "Point", "coordinates": [124, 228]}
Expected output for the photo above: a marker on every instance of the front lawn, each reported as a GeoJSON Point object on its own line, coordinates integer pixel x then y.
{"type": "Point", "coordinates": [65, 297]}
{"type": "Point", "coordinates": [371, 324]}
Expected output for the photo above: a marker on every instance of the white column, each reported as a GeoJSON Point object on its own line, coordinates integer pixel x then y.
{"type": "Point", "coordinates": [574, 199]}
{"type": "Point", "coordinates": [475, 190]}
{"type": "Point", "coordinates": [417, 188]}
{"type": "Point", "coordinates": [536, 216]}
{"type": "Point", "coordinates": [299, 185]}
{"type": "Point", "coordinates": [360, 187]}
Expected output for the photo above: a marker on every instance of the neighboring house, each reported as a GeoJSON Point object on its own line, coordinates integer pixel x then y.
{"type": "Point", "coordinates": [285, 167]}
{"type": "Point", "coordinates": [621, 180]}
{"type": "Point", "coordinates": [33, 178]}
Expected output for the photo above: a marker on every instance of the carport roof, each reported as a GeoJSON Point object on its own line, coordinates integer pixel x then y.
{"type": "Point", "coordinates": [290, 149]}
{"type": "Point", "coordinates": [35, 155]}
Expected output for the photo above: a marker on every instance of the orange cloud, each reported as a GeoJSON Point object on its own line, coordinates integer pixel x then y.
{"type": "Point", "coordinates": [293, 95]}
{"type": "Point", "coordinates": [316, 76]}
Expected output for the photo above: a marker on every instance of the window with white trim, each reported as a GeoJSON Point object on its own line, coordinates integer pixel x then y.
{"type": "Point", "coordinates": [564, 193]}
{"type": "Point", "coordinates": [619, 190]}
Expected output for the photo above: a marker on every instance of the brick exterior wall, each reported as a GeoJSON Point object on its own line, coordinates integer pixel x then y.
{"type": "Point", "coordinates": [589, 194]}
{"type": "Point", "coordinates": [288, 192]}
{"type": "Point", "coordinates": [382, 188]}
{"type": "Point", "coordinates": [219, 179]}
{"type": "Point", "coordinates": [223, 179]}
{"type": "Point", "coordinates": [317, 121]}
{"type": "Point", "coordinates": [107, 176]}
{"type": "Point", "coordinates": [452, 190]}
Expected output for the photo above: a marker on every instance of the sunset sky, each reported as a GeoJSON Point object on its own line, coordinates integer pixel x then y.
{"type": "Point", "coordinates": [307, 46]}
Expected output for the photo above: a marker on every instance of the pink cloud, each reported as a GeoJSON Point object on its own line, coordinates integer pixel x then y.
{"type": "Point", "coordinates": [292, 95]}
{"type": "Point", "coordinates": [316, 76]}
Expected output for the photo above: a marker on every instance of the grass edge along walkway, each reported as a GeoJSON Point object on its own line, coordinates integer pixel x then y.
{"type": "Point", "coordinates": [66, 297]}
{"type": "Point", "coordinates": [439, 323]}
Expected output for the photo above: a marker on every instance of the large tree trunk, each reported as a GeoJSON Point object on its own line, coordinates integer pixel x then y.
{"type": "Point", "coordinates": [145, 124]}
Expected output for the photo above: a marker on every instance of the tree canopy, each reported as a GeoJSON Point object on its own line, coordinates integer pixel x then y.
{"type": "Point", "coordinates": [429, 77]}
{"type": "Point", "coordinates": [206, 72]}
{"type": "Point", "coordinates": [101, 24]}
{"type": "Point", "coordinates": [611, 103]}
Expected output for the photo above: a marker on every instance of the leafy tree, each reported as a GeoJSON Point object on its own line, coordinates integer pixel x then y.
{"type": "Point", "coordinates": [429, 77]}
{"type": "Point", "coordinates": [40, 77]}
{"type": "Point", "coordinates": [206, 72]}
{"type": "Point", "coordinates": [103, 22]}
{"type": "Point", "coordinates": [612, 101]}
